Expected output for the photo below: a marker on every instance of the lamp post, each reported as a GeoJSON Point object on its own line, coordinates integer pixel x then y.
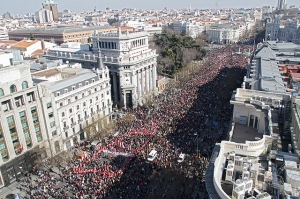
{"type": "Point", "coordinates": [197, 144]}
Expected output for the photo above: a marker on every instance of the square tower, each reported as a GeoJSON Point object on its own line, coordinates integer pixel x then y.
{"type": "Point", "coordinates": [52, 6]}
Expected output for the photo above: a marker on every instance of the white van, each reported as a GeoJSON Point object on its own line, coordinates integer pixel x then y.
{"type": "Point", "coordinates": [152, 155]}
{"type": "Point", "coordinates": [181, 157]}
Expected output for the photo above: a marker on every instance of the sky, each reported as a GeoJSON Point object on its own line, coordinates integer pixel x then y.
{"type": "Point", "coordinates": [31, 6]}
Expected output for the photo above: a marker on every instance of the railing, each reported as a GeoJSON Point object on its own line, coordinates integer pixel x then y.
{"type": "Point", "coordinates": [93, 58]}
{"type": "Point", "coordinates": [66, 128]}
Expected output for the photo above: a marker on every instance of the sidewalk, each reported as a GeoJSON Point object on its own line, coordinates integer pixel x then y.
{"type": "Point", "coordinates": [11, 189]}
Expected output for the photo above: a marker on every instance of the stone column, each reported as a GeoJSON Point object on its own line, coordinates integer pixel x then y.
{"type": "Point", "coordinates": [154, 77]}
{"type": "Point", "coordinates": [138, 84]}
{"type": "Point", "coordinates": [142, 83]}
{"type": "Point", "coordinates": [122, 82]}
{"type": "Point", "coordinates": [147, 80]}
{"type": "Point", "coordinates": [115, 88]}
{"type": "Point", "coordinates": [124, 98]}
{"type": "Point", "coordinates": [150, 79]}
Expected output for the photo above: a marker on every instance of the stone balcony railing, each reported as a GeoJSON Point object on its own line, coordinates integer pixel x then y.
{"type": "Point", "coordinates": [93, 58]}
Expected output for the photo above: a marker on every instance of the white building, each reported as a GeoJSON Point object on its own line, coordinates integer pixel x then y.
{"type": "Point", "coordinates": [289, 31]}
{"type": "Point", "coordinates": [82, 96]}
{"type": "Point", "coordinates": [132, 65]}
{"type": "Point", "coordinates": [4, 36]}
{"type": "Point", "coordinates": [226, 33]}
{"type": "Point", "coordinates": [28, 127]}
{"type": "Point", "coordinates": [27, 47]}
{"type": "Point", "coordinates": [190, 28]}
{"type": "Point", "coordinates": [44, 16]}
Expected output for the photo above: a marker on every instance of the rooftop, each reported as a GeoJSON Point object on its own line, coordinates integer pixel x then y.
{"type": "Point", "coordinates": [47, 73]}
{"type": "Point", "coordinates": [25, 43]}
{"type": "Point", "coordinates": [61, 30]}
{"type": "Point", "coordinates": [243, 133]}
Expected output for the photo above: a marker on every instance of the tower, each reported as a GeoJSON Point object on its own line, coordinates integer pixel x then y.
{"type": "Point", "coordinates": [281, 4]}
{"type": "Point", "coordinates": [52, 6]}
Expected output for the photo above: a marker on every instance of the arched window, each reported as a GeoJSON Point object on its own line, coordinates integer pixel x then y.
{"type": "Point", "coordinates": [1, 92]}
{"type": "Point", "coordinates": [13, 88]}
{"type": "Point", "coordinates": [24, 85]}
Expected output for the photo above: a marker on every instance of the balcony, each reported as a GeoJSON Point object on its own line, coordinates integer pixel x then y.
{"type": "Point", "coordinates": [66, 128]}
{"type": "Point", "coordinates": [80, 120]}
{"type": "Point", "coordinates": [73, 124]}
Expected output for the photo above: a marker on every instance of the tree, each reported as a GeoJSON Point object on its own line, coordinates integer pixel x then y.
{"type": "Point", "coordinates": [175, 52]}
{"type": "Point", "coordinates": [31, 36]}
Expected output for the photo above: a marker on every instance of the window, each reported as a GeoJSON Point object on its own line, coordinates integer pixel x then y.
{"type": "Point", "coordinates": [2, 146]}
{"type": "Point", "coordinates": [10, 120]}
{"type": "Point", "coordinates": [19, 101]}
{"type": "Point", "coordinates": [107, 92]}
{"type": "Point", "coordinates": [97, 98]}
{"type": "Point", "coordinates": [24, 85]}
{"type": "Point", "coordinates": [39, 138]}
{"type": "Point", "coordinates": [24, 125]}
{"type": "Point", "coordinates": [1, 92]}
{"type": "Point", "coordinates": [69, 101]}
{"type": "Point", "coordinates": [35, 120]}
{"type": "Point", "coordinates": [57, 94]}
{"type": "Point", "coordinates": [63, 114]}
{"type": "Point", "coordinates": [86, 83]}
{"type": "Point", "coordinates": [76, 98]}
{"type": "Point", "coordinates": [73, 87]}
{"type": "Point", "coordinates": [78, 107]}
{"type": "Point", "coordinates": [93, 80]}
{"type": "Point", "coordinates": [84, 104]}
{"type": "Point", "coordinates": [49, 105]}
{"type": "Point", "coordinates": [26, 135]}
{"type": "Point", "coordinates": [61, 104]}
{"type": "Point", "coordinates": [95, 89]}
{"type": "Point", "coordinates": [6, 106]}
{"type": "Point", "coordinates": [70, 110]}
{"type": "Point", "coordinates": [33, 110]}
{"type": "Point", "coordinates": [54, 133]}
{"type": "Point", "coordinates": [66, 90]}
{"type": "Point", "coordinates": [52, 124]}
{"type": "Point", "coordinates": [91, 101]}
{"type": "Point", "coordinates": [37, 129]}
{"type": "Point", "coordinates": [13, 88]}
{"type": "Point", "coordinates": [30, 97]}
{"type": "Point", "coordinates": [82, 95]}
{"type": "Point", "coordinates": [22, 114]}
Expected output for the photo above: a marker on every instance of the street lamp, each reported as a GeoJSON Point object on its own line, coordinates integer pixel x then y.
{"type": "Point", "coordinates": [197, 144]}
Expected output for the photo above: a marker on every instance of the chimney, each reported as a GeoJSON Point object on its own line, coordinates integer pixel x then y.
{"type": "Point", "coordinates": [100, 65]}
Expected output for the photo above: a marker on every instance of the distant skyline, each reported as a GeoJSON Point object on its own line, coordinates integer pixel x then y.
{"type": "Point", "coordinates": [31, 6]}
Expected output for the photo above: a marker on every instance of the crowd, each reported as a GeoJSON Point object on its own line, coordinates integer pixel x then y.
{"type": "Point", "coordinates": [189, 115]}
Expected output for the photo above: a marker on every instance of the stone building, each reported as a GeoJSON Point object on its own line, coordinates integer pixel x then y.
{"type": "Point", "coordinates": [131, 63]}
{"type": "Point", "coordinates": [81, 100]}
{"type": "Point", "coordinates": [28, 128]}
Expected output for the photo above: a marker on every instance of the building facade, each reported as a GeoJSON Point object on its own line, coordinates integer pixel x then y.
{"type": "Point", "coordinates": [289, 32]}
{"type": "Point", "coordinates": [29, 131]}
{"type": "Point", "coordinates": [44, 16]}
{"type": "Point", "coordinates": [52, 7]}
{"type": "Point", "coordinates": [131, 63]}
{"type": "Point", "coordinates": [59, 35]}
{"type": "Point", "coordinates": [82, 100]}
